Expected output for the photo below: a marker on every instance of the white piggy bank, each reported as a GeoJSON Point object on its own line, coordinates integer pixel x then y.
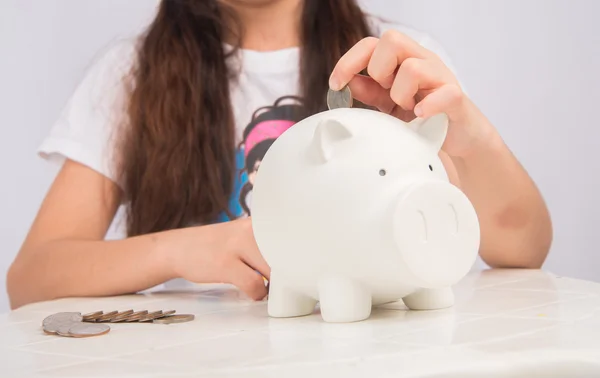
{"type": "Point", "coordinates": [353, 208]}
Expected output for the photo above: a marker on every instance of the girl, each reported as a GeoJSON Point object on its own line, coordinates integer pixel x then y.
{"type": "Point", "coordinates": [156, 123]}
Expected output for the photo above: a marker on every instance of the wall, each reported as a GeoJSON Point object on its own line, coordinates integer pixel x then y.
{"type": "Point", "coordinates": [46, 46]}
{"type": "Point", "coordinates": [531, 66]}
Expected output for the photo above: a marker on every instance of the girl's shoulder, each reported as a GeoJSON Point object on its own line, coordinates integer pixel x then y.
{"type": "Point", "coordinates": [87, 125]}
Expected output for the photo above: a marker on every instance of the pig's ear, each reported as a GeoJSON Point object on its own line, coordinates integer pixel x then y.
{"type": "Point", "coordinates": [433, 129]}
{"type": "Point", "coordinates": [328, 133]}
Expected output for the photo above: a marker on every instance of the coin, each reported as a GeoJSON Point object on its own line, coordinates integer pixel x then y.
{"type": "Point", "coordinates": [107, 315]}
{"type": "Point", "coordinates": [165, 314]}
{"type": "Point", "coordinates": [92, 316]}
{"type": "Point", "coordinates": [339, 99]}
{"type": "Point", "coordinates": [136, 316]}
{"type": "Point", "coordinates": [88, 330]}
{"type": "Point", "coordinates": [151, 316]}
{"type": "Point", "coordinates": [156, 315]}
{"type": "Point", "coordinates": [63, 329]}
{"type": "Point", "coordinates": [174, 319]}
{"type": "Point", "coordinates": [111, 315]}
{"type": "Point", "coordinates": [52, 323]}
{"type": "Point", "coordinates": [126, 315]}
{"type": "Point", "coordinates": [118, 318]}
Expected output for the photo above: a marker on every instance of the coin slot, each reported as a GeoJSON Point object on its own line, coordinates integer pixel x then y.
{"type": "Point", "coordinates": [455, 218]}
{"type": "Point", "coordinates": [425, 231]}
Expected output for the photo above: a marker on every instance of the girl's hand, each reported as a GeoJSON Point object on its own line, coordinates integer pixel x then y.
{"type": "Point", "coordinates": [407, 80]}
{"type": "Point", "coordinates": [225, 253]}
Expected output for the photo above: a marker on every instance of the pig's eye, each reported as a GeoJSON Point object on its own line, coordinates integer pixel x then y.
{"type": "Point", "coordinates": [382, 172]}
{"type": "Point", "coordinates": [430, 168]}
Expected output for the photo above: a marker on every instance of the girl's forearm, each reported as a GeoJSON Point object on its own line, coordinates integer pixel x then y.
{"type": "Point", "coordinates": [516, 229]}
{"type": "Point", "coordinates": [82, 268]}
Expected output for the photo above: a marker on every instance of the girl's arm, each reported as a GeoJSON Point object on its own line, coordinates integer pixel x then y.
{"type": "Point", "coordinates": [516, 228]}
{"type": "Point", "coordinates": [65, 254]}
{"type": "Point", "coordinates": [406, 80]}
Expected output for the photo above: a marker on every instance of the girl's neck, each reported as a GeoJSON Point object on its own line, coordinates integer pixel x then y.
{"type": "Point", "coordinates": [268, 25]}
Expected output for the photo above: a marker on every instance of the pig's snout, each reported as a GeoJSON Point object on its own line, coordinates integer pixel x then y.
{"type": "Point", "coordinates": [437, 233]}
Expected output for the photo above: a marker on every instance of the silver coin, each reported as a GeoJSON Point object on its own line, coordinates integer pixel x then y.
{"type": "Point", "coordinates": [339, 99]}
{"type": "Point", "coordinates": [52, 323]}
{"type": "Point", "coordinates": [88, 330]}
{"type": "Point", "coordinates": [63, 329]}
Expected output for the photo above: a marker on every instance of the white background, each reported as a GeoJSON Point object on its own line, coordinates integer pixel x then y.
{"type": "Point", "coordinates": [533, 67]}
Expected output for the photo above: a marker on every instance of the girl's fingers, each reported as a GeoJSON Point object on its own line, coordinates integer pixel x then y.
{"type": "Point", "coordinates": [250, 253]}
{"type": "Point", "coordinates": [369, 92]}
{"type": "Point", "coordinates": [380, 57]}
{"type": "Point", "coordinates": [247, 280]}
{"type": "Point", "coordinates": [352, 63]}
{"type": "Point", "coordinates": [414, 75]}
{"type": "Point", "coordinates": [446, 99]}
{"type": "Point", "coordinates": [401, 72]}
{"type": "Point", "coordinates": [254, 259]}
{"type": "Point", "coordinates": [393, 49]}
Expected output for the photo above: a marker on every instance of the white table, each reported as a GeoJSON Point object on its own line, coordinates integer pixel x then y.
{"type": "Point", "coordinates": [505, 324]}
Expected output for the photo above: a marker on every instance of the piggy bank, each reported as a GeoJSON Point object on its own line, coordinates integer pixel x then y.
{"type": "Point", "coordinates": [352, 208]}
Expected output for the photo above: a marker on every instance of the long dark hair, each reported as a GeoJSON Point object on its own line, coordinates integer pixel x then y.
{"type": "Point", "coordinates": [177, 153]}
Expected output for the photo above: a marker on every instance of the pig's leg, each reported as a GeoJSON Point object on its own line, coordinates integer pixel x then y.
{"type": "Point", "coordinates": [286, 303]}
{"type": "Point", "coordinates": [344, 300]}
{"type": "Point", "coordinates": [430, 299]}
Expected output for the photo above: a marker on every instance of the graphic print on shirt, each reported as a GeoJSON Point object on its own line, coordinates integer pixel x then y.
{"type": "Point", "coordinates": [266, 125]}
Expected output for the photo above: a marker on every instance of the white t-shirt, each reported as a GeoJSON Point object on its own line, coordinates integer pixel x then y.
{"type": "Point", "coordinates": [262, 101]}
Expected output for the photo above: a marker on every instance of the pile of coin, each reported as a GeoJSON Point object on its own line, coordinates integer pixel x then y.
{"type": "Point", "coordinates": [74, 324]}
{"type": "Point", "coordinates": [70, 324]}
{"type": "Point", "coordinates": [339, 99]}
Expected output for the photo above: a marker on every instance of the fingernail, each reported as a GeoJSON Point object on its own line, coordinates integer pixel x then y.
{"type": "Point", "coordinates": [334, 83]}
{"type": "Point", "coordinates": [418, 111]}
